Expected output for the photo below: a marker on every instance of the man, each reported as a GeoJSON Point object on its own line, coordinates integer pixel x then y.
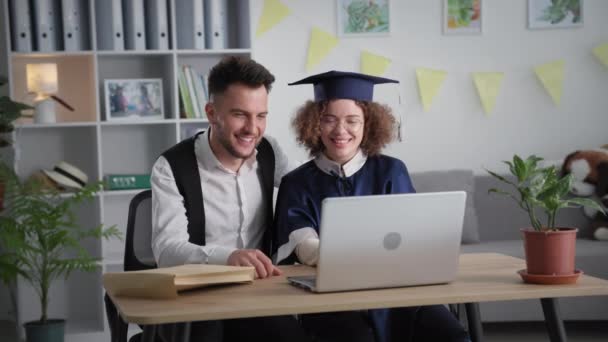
{"type": "Point", "coordinates": [212, 194]}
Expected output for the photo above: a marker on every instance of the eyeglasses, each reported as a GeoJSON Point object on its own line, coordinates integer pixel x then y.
{"type": "Point", "coordinates": [351, 124]}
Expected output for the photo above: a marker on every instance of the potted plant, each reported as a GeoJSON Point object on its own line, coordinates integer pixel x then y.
{"type": "Point", "coordinates": [40, 241]}
{"type": "Point", "coordinates": [542, 192]}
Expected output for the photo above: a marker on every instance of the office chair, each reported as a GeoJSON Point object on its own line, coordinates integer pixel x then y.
{"type": "Point", "coordinates": [138, 256]}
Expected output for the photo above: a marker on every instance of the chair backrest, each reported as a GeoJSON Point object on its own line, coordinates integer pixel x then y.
{"type": "Point", "coordinates": [138, 247]}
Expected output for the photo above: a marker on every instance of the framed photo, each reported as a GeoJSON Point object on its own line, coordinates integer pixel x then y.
{"type": "Point", "coordinates": [363, 18]}
{"type": "Point", "coordinates": [134, 99]}
{"type": "Point", "coordinates": [462, 16]}
{"type": "Point", "coordinates": [555, 14]}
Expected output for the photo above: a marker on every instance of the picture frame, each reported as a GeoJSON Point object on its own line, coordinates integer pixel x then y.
{"type": "Point", "coordinates": [544, 14]}
{"type": "Point", "coordinates": [462, 17]}
{"type": "Point", "coordinates": [363, 18]}
{"type": "Point", "coordinates": [134, 99]}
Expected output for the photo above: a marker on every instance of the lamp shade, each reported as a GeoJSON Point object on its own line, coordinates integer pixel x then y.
{"type": "Point", "coordinates": [42, 78]}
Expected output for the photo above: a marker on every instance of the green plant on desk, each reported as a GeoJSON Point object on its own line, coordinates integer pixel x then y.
{"type": "Point", "coordinates": [40, 239]}
{"type": "Point", "coordinates": [538, 187]}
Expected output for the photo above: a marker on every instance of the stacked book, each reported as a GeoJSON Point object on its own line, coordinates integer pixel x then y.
{"type": "Point", "coordinates": [127, 182]}
{"type": "Point", "coordinates": [193, 93]}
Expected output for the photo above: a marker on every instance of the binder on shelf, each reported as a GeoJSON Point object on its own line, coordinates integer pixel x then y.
{"type": "Point", "coordinates": [127, 181]}
{"type": "Point", "coordinates": [74, 23]}
{"type": "Point", "coordinates": [157, 28]}
{"type": "Point", "coordinates": [110, 33]}
{"type": "Point", "coordinates": [216, 24]}
{"type": "Point", "coordinates": [21, 26]}
{"type": "Point", "coordinates": [191, 28]}
{"type": "Point", "coordinates": [46, 25]}
{"type": "Point", "coordinates": [135, 24]}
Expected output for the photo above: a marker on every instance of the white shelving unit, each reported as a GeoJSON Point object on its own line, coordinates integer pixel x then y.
{"type": "Point", "coordinates": [99, 147]}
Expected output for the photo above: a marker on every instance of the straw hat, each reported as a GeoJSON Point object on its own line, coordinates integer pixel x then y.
{"type": "Point", "coordinates": [67, 175]}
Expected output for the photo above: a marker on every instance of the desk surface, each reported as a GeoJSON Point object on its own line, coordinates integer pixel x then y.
{"type": "Point", "coordinates": [481, 277]}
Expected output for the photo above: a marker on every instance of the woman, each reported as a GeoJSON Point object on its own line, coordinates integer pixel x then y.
{"type": "Point", "coordinates": [344, 130]}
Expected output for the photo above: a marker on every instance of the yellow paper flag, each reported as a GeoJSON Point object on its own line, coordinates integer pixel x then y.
{"type": "Point", "coordinates": [429, 82]}
{"type": "Point", "coordinates": [488, 85]}
{"type": "Point", "coordinates": [372, 64]}
{"type": "Point", "coordinates": [321, 43]}
{"type": "Point", "coordinates": [273, 12]}
{"type": "Point", "coordinates": [552, 77]}
{"type": "Point", "coordinates": [601, 52]}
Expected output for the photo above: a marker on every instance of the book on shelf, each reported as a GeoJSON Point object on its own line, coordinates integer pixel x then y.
{"type": "Point", "coordinates": [165, 283]}
{"type": "Point", "coordinates": [184, 93]}
{"type": "Point", "coordinates": [193, 92]}
{"type": "Point", "coordinates": [127, 181]}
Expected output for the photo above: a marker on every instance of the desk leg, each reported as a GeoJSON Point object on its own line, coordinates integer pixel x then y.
{"type": "Point", "coordinates": [149, 334]}
{"type": "Point", "coordinates": [474, 320]}
{"type": "Point", "coordinates": [181, 332]}
{"type": "Point", "coordinates": [553, 320]}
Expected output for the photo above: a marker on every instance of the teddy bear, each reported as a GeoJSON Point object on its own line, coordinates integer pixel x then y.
{"type": "Point", "coordinates": [589, 169]}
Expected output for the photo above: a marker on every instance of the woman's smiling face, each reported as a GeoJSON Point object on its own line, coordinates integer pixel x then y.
{"type": "Point", "coordinates": [342, 129]}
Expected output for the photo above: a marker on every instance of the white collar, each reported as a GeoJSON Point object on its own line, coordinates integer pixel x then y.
{"type": "Point", "coordinates": [335, 169]}
{"type": "Point", "coordinates": [207, 159]}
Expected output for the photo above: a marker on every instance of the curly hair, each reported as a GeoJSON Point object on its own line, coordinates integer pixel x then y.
{"type": "Point", "coordinates": [238, 69]}
{"type": "Point", "coordinates": [378, 131]}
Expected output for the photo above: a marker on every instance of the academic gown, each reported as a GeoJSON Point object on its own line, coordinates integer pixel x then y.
{"type": "Point", "coordinates": [302, 191]}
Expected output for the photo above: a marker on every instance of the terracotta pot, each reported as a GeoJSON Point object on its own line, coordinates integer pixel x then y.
{"type": "Point", "coordinates": [550, 252]}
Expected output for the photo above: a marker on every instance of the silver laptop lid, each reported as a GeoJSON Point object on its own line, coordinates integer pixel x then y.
{"type": "Point", "coordinates": [389, 240]}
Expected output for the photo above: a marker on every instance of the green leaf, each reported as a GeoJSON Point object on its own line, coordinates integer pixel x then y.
{"type": "Point", "coordinates": [520, 169]}
{"type": "Point", "coordinates": [586, 202]}
{"type": "Point", "coordinates": [499, 177]}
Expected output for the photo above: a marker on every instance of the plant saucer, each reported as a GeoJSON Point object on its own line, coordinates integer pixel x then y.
{"type": "Point", "coordinates": [550, 279]}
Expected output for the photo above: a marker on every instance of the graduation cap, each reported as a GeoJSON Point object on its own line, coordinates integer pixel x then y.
{"type": "Point", "coordinates": [343, 85]}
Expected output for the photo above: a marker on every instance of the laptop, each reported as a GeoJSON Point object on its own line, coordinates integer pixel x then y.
{"type": "Point", "coordinates": [383, 241]}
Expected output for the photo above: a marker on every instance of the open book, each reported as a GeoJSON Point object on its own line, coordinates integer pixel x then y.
{"type": "Point", "coordinates": [164, 283]}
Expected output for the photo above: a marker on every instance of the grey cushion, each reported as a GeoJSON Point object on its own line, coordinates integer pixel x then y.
{"type": "Point", "coordinates": [453, 180]}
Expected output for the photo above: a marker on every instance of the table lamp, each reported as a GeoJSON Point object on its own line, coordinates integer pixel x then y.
{"type": "Point", "coordinates": [42, 81]}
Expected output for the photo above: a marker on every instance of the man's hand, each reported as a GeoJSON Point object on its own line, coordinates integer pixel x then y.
{"type": "Point", "coordinates": [254, 257]}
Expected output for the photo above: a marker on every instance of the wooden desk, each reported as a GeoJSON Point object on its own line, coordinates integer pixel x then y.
{"type": "Point", "coordinates": [481, 277]}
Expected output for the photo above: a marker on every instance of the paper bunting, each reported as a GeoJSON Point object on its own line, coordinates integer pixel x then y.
{"type": "Point", "coordinates": [372, 64]}
{"type": "Point", "coordinates": [273, 12]}
{"type": "Point", "coordinates": [321, 43]}
{"type": "Point", "coordinates": [488, 86]}
{"type": "Point", "coordinates": [601, 52]}
{"type": "Point", "coordinates": [429, 82]}
{"type": "Point", "coordinates": [552, 77]}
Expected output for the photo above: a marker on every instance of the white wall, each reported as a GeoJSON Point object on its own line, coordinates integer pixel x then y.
{"type": "Point", "coordinates": [455, 132]}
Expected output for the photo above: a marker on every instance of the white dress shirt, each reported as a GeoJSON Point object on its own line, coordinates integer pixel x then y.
{"type": "Point", "coordinates": [305, 241]}
{"type": "Point", "coordinates": [234, 204]}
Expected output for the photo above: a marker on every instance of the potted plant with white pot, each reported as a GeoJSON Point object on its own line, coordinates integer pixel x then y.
{"type": "Point", "coordinates": [40, 241]}
{"type": "Point", "coordinates": [542, 192]}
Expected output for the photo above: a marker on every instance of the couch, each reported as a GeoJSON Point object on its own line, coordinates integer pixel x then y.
{"type": "Point", "coordinates": [492, 224]}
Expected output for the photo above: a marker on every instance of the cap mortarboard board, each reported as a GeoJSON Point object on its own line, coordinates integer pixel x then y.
{"type": "Point", "coordinates": [343, 85]}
